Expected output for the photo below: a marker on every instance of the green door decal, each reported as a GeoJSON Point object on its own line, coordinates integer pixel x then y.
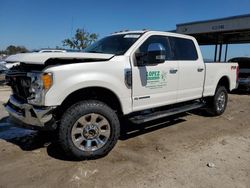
{"type": "Point", "coordinates": [156, 79]}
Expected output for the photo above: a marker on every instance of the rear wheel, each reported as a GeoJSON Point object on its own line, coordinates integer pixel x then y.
{"type": "Point", "coordinates": [89, 129]}
{"type": "Point", "coordinates": [218, 103]}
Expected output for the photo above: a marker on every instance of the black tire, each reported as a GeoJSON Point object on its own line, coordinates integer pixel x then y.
{"type": "Point", "coordinates": [72, 115]}
{"type": "Point", "coordinates": [217, 106]}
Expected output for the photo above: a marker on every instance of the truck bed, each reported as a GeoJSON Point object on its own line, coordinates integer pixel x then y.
{"type": "Point", "coordinates": [214, 71]}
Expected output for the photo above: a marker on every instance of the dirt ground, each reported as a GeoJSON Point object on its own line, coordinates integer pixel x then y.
{"type": "Point", "coordinates": [163, 153]}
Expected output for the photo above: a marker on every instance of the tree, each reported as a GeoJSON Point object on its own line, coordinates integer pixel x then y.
{"type": "Point", "coordinates": [81, 39]}
{"type": "Point", "coordinates": [14, 50]}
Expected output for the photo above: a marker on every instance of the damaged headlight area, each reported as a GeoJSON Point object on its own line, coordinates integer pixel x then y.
{"type": "Point", "coordinates": [40, 84]}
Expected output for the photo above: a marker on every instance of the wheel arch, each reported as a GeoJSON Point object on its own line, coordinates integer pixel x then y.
{"type": "Point", "coordinates": [91, 93]}
{"type": "Point", "coordinates": [224, 81]}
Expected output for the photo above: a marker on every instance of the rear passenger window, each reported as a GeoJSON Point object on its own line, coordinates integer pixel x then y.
{"type": "Point", "coordinates": [183, 49]}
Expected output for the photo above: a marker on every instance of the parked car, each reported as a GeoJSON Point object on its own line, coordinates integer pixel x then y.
{"type": "Point", "coordinates": [51, 50]}
{"type": "Point", "coordinates": [139, 75]}
{"type": "Point", "coordinates": [244, 72]}
{"type": "Point", "coordinates": [3, 70]}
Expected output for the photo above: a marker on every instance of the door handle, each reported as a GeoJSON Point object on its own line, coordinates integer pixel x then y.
{"type": "Point", "coordinates": [200, 69]}
{"type": "Point", "coordinates": [173, 71]}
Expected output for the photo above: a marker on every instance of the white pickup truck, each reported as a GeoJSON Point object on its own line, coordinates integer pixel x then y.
{"type": "Point", "coordinates": [140, 75]}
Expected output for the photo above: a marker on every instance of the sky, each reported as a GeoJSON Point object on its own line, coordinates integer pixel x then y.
{"type": "Point", "coordinates": [39, 24]}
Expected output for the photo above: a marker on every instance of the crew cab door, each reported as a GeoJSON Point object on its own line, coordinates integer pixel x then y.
{"type": "Point", "coordinates": [191, 68]}
{"type": "Point", "coordinates": [154, 85]}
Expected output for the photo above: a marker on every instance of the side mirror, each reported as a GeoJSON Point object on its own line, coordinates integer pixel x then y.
{"type": "Point", "coordinates": [156, 53]}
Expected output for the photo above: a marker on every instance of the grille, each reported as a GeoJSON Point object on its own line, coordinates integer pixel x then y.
{"type": "Point", "coordinates": [20, 84]}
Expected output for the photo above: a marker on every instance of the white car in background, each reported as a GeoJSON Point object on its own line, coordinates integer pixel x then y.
{"type": "Point", "coordinates": [50, 50]}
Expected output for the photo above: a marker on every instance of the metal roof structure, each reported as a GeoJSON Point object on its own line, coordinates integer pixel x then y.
{"type": "Point", "coordinates": [230, 30]}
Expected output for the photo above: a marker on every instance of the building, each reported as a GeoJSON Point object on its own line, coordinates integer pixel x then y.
{"type": "Point", "coordinates": [219, 32]}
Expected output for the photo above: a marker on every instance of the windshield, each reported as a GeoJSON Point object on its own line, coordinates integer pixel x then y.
{"type": "Point", "coordinates": [115, 44]}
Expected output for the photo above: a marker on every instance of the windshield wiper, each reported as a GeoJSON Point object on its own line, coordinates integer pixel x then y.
{"type": "Point", "coordinates": [93, 51]}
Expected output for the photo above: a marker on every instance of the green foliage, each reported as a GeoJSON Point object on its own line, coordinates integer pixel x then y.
{"type": "Point", "coordinates": [14, 50]}
{"type": "Point", "coordinates": [81, 39]}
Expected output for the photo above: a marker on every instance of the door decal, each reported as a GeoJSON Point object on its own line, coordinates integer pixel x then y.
{"type": "Point", "coordinates": [156, 79]}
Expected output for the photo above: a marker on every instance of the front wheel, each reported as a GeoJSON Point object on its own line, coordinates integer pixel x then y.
{"type": "Point", "coordinates": [89, 129]}
{"type": "Point", "coordinates": [218, 103]}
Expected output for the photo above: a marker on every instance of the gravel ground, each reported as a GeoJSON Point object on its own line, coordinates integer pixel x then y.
{"type": "Point", "coordinates": [190, 151]}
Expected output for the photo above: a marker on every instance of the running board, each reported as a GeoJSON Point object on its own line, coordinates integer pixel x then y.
{"type": "Point", "coordinates": [165, 113]}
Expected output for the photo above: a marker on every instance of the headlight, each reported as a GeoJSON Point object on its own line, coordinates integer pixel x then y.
{"type": "Point", "coordinates": [40, 84]}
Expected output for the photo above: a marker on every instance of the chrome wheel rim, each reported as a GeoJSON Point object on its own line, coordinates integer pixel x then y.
{"type": "Point", "coordinates": [90, 132]}
{"type": "Point", "coordinates": [221, 101]}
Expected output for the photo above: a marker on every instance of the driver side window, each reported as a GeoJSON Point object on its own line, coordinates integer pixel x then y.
{"type": "Point", "coordinates": [156, 39]}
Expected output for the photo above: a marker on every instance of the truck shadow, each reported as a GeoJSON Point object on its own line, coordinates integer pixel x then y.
{"type": "Point", "coordinates": [131, 130]}
{"type": "Point", "coordinates": [128, 131]}
{"type": "Point", "coordinates": [29, 140]}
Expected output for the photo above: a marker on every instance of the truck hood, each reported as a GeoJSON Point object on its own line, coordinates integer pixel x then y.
{"type": "Point", "coordinates": [42, 58]}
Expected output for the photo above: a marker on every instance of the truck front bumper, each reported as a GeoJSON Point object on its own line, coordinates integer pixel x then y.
{"type": "Point", "coordinates": [29, 116]}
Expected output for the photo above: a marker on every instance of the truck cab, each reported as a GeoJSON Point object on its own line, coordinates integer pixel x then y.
{"type": "Point", "coordinates": [178, 77]}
